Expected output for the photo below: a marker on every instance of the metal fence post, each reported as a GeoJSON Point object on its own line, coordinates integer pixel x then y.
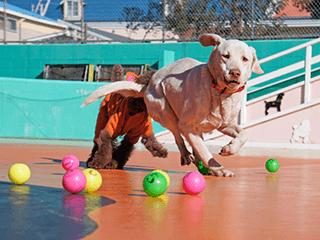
{"type": "Point", "coordinates": [5, 22]}
{"type": "Point", "coordinates": [252, 19]}
{"type": "Point", "coordinates": [82, 23]}
{"type": "Point", "coordinates": [164, 3]}
{"type": "Point", "coordinates": [307, 74]}
{"type": "Point", "coordinates": [243, 109]}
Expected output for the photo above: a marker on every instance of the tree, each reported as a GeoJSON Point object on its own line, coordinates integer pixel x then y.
{"type": "Point", "coordinates": [190, 18]}
{"type": "Point", "coordinates": [246, 19]}
{"type": "Point", "coordinates": [312, 6]}
{"type": "Point", "coordinates": [136, 18]}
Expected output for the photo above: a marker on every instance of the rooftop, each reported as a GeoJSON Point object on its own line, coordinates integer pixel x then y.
{"type": "Point", "coordinates": [24, 11]}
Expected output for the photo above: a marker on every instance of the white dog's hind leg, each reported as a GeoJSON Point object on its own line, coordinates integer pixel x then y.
{"type": "Point", "coordinates": [186, 156]}
{"type": "Point", "coordinates": [239, 139]}
{"type": "Point", "coordinates": [169, 121]}
{"type": "Point", "coordinates": [172, 125]}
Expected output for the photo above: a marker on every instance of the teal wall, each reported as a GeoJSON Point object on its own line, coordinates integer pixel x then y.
{"type": "Point", "coordinates": [48, 109]}
{"type": "Point", "coordinates": [27, 61]}
{"type": "Point", "coordinates": [37, 108]}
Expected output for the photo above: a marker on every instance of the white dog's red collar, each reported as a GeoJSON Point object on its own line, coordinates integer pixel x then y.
{"type": "Point", "coordinates": [224, 90]}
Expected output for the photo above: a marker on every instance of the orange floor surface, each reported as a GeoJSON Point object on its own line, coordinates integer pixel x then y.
{"type": "Point", "coordinates": [253, 205]}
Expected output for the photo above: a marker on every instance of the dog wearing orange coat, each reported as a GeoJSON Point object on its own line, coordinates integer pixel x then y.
{"type": "Point", "coordinates": [118, 116]}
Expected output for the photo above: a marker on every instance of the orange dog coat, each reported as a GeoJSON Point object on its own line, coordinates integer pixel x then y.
{"type": "Point", "coordinates": [114, 117]}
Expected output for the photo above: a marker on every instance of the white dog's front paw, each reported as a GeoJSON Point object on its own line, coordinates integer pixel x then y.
{"type": "Point", "coordinates": [230, 149]}
{"type": "Point", "coordinates": [221, 172]}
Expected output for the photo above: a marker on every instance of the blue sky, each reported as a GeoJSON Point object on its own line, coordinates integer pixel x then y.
{"type": "Point", "coordinates": [95, 10]}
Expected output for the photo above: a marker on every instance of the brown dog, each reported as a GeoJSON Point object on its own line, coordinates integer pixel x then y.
{"type": "Point", "coordinates": [118, 116]}
{"type": "Point", "coordinates": [191, 98]}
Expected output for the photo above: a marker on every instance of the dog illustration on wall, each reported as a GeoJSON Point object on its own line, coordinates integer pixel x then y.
{"type": "Point", "coordinates": [276, 103]}
{"type": "Point", "coordinates": [301, 131]}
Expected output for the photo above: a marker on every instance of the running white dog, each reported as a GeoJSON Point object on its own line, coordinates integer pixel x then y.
{"type": "Point", "coordinates": [190, 98]}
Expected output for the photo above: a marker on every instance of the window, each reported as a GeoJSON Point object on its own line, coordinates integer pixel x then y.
{"type": "Point", "coordinates": [72, 9]}
{"type": "Point", "coordinates": [104, 72]}
{"type": "Point", "coordinates": [11, 24]}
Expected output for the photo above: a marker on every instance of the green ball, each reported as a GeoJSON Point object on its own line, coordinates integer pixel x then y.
{"type": "Point", "coordinates": [202, 169]}
{"type": "Point", "coordinates": [165, 175]}
{"type": "Point", "coordinates": [272, 165]}
{"type": "Point", "coordinates": [154, 184]}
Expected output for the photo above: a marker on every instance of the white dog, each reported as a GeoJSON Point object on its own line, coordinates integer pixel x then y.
{"type": "Point", "coordinates": [190, 98]}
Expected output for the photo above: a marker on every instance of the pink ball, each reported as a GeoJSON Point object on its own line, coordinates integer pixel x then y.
{"type": "Point", "coordinates": [74, 181]}
{"type": "Point", "coordinates": [70, 162]}
{"type": "Point", "coordinates": [193, 183]}
{"type": "Point", "coordinates": [74, 205]}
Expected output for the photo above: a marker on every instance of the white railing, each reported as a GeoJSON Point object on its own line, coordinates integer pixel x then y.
{"type": "Point", "coordinates": [306, 64]}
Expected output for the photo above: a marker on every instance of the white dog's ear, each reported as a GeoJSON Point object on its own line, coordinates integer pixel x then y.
{"type": "Point", "coordinates": [207, 40]}
{"type": "Point", "coordinates": [255, 63]}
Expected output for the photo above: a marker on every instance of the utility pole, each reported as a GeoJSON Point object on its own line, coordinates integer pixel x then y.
{"type": "Point", "coordinates": [252, 19]}
{"type": "Point", "coordinates": [4, 22]}
{"type": "Point", "coordinates": [164, 9]}
{"type": "Point", "coordinates": [82, 25]}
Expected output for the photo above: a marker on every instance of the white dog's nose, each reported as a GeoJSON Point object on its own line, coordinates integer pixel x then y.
{"type": "Point", "coordinates": [236, 73]}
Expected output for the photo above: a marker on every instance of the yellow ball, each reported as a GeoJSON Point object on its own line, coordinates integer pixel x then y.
{"type": "Point", "coordinates": [19, 173]}
{"type": "Point", "coordinates": [94, 180]}
{"type": "Point", "coordinates": [165, 175]}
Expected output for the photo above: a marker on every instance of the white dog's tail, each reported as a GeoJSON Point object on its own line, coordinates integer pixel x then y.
{"type": "Point", "coordinates": [127, 89]}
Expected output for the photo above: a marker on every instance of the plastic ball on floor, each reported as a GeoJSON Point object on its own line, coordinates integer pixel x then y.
{"type": "Point", "coordinates": [272, 165]}
{"type": "Point", "coordinates": [74, 206]}
{"type": "Point", "coordinates": [165, 175]}
{"type": "Point", "coordinates": [202, 169]}
{"type": "Point", "coordinates": [19, 173]}
{"type": "Point", "coordinates": [193, 183]}
{"type": "Point", "coordinates": [74, 181]}
{"type": "Point", "coordinates": [154, 184]}
{"type": "Point", "coordinates": [70, 162]}
{"type": "Point", "coordinates": [94, 180]}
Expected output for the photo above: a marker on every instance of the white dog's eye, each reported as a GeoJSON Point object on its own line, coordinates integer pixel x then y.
{"type": "Point", "coordinates": [245, 59]}
{"type": "Point", "coordinates": [227, 56]}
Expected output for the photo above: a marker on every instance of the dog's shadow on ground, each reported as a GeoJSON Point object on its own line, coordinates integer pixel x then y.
{"type": "Point", "coordinates": [144, 195]}
{"type": "Point", "coordinates": [263, 173]}
{"type": "Point", "coordinates": [130, 168]}
{"type": "Point", "coordinates": [58, 161]}
{"type": "Point", "coordinates": [134, 168]}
